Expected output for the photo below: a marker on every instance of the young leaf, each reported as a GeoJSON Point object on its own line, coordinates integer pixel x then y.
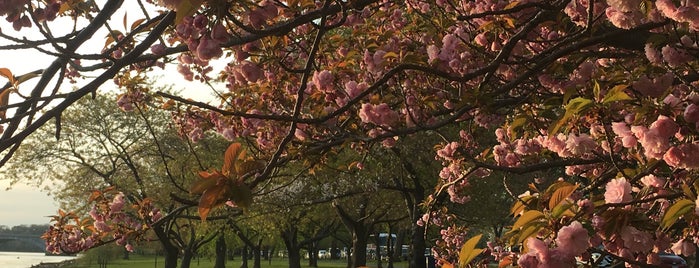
{"type": "Point", "coordinates": [211, 198]}
{"type": "Point", "coordinates": [574, 107]}
{"type": "Point", "coordinates": [616, 94]}
{"type": "Point", "coordinates": [207, 181]}
{"type": "Point", "coordinates": [136, 23]}
{"type": "Point", "coordinates": [469, 251]}
{"type": "Point", "coordinates": [675, 211]}
{"type": "Point", "coordinates": [561, 194]}
{"type": "Point", "coordinates": [245, 167]}
{"type": "Point", "coordinates": [526, 218]}
{"type": "Point", "coordinates": [229, 159]}
{"type": "Point", "coordinates": [7, 74]}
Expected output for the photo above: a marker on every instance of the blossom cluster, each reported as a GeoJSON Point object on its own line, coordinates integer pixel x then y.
{"type": "Point", "coordinates": [109, 217]}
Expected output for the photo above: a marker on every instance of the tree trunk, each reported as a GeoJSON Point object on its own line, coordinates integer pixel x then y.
{"type": "Point", "coordinates": [389, 246]}
{"type": "Point", "coordinates": [313, 254]}
{"type": "Point", "coordinates": [187, 258]}
{"type": "Point", "coordinates": [244, 262]}
{"type": "Point", "coordinates": [417, 250]}
{"type": "Point", "coordinates": [359, 242]}
{"type": "Point", "coordinates": [257, 262]}
{"type": "Point", "coordinates": [220, 252]}
{"type": "Point", "coordinates": [170, 252]}
{"type": "Point", "coordinates": [292, 246]}
{"type": "Point", "coordinates": [398, 245]}
{"type": "Point", "coordinates": [377, 236]}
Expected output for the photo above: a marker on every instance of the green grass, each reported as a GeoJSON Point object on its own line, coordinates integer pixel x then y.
{"type": "Point", "coordinates": [138, 261]}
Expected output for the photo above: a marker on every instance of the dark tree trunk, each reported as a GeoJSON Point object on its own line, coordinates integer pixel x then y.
{"type": "Point", "coordinates": [220, 252]}
{"type": "Point", "coordinates": [398, 248]}
{"type": "Point", "coordinates": [257, 262]}
{"type": "Point", "coordinates": [292, 246]}
{"type": "Point", "coordinates": [359, 242]}
{"type": "Point", "coordinates": [244, 258]}
{"type": "Point", "coordinates": [313, 254]}
{"type": "Point", "coordinates": [417, 250]}
{"type": "Point", "coordinates": [170, 252]}
{"type": "Point", "coordinates": [389, 246]}
{"type": "Point", "coordinates": [377, 236]}
{"type": "Point", "coordinates": [187, 258]}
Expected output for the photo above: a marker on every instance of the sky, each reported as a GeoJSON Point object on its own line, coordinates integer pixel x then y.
{"type": "Point", "coordinates": [24, 204]}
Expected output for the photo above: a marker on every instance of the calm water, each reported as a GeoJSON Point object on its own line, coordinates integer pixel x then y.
{"type": "Point", "coordinates": [26, 259]}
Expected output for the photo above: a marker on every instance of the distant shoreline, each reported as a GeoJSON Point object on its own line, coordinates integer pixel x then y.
{"type": "Point", "coordinates": [60, 264]}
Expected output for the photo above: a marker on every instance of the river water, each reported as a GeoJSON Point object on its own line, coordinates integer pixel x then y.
{"type": "Point", "coordinates": [27, 259]}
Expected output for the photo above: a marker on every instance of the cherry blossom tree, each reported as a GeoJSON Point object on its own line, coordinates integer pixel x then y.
{"type": "Point", "coordinates": [598, 93]}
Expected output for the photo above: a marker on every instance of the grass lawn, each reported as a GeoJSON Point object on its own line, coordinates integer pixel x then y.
{"type": "Point", "coordinates": [137, 261]}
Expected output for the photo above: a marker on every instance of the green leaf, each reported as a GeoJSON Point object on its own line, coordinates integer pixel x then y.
{"type": "Point", "coordinates": [596, 89]}
{"type": "Point", "coordinates": [529, 231]}
{"type": "Point", "coordinates": [469, 251]}
{"type": "Point", "coordinates": [527, 217]}
{"type": "Point", "coordinates": [616, 94]}
{"type": "Point", "coordinates": [677, 210]}
{"type": "Point", "coordinates": [578, 105]}
{"type": "Point", "coordinates": [519, 122]}
{"type": "Point", "coordinates": [562, 209]}
{"type": "Point", "coordinates": [574, 107]}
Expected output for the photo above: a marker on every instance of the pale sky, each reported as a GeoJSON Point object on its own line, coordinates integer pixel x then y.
{"type": "Point", "coordinates": [25, 204]}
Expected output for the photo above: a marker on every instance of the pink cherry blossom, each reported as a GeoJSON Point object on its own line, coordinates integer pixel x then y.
{"type": "Point", "coordinates": [617, 191]}
{"type": "Point", "coordinates": [652, 180]}
{"type": "Point", "coordinates": [636, 240]}
{"type": "Point", "coordinates": [572, 240]}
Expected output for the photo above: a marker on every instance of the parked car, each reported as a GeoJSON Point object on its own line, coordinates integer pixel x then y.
{"type": "Point", "coordinates": [667, 260]}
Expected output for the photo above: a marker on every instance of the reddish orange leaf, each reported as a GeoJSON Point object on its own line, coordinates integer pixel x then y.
{"type": "Point", "coordinates": [211, 198]}
{"type": "Point", "coordinates": [7, 74]}
{"type": "Point", "coordinates": [208, 180]}
{"type": "Point", "coordinates": [229, 159]}
{"type": "Point", "coordinates": [505, 262]}
{"type": "Point", "coordinates": [446, 264]}
{"type": "Point", "coordinates": [136, 23]}
{"type": "Point", "coordinates": [245, 167]}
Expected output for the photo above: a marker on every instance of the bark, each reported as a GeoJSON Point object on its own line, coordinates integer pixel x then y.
{"type": "Point", "coordinates": [292, 246]}
{"type": "Point", "coordinates": [377, 238]}
{"type": "Point", "coordinates": [170, 251]}
{"type": "Point", "coordinates": [220, 252]}
{"type": "Point", "coordinates": [257, 260]}
{"type": "Point", "coordinates": [359, 242]}
{"type": "Point", "coordinates": [313, 254]}
{"type": "Point", "coordinates": [187, 258]}
{"type": "Point", "coordinates": [359, 231]}
{"type": "Point", "coordinates": [244, 262]}
{"type": "Point", "coordinates": [398, 248]}
{"type": "Point", "coordinates": [417, 250]}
